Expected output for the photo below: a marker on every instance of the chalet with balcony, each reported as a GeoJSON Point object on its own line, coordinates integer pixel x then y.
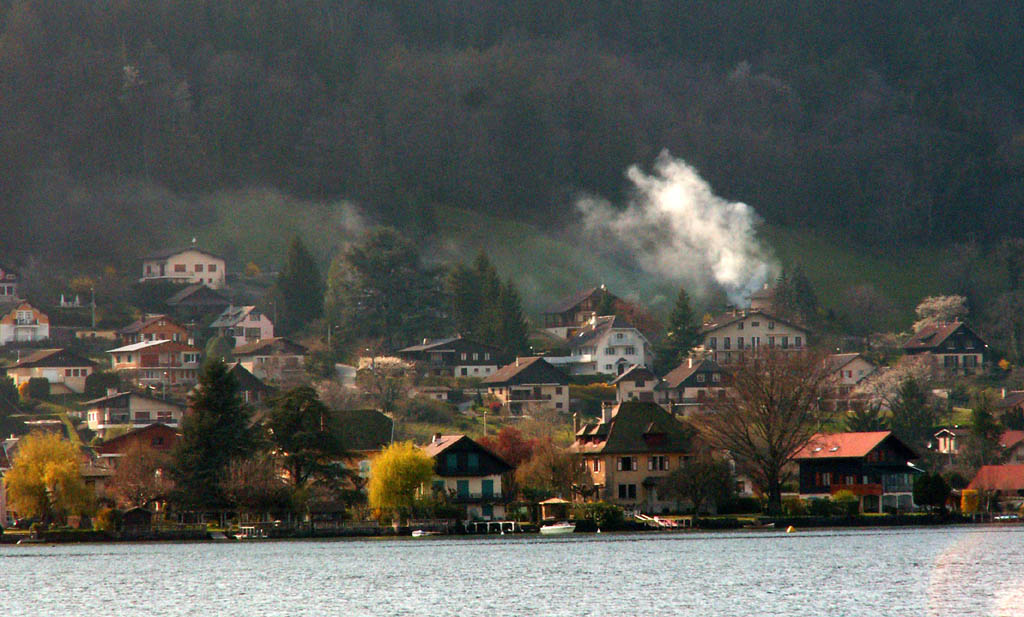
{"type": "Point", "coordinates": [605, 345]}
{"type": "Point", "coordinates": [637, 383]}
{"type": "Point", "coordinates": [630, 451]}
{"type": "Point", "coordinates": [131, 409]}
{"type": "Point", "coordinates": [953, 346]}
{"type": "Point", "coordinates": [693, 387]}
{"type": "Point", "coordinates": [454, 357]}
{"type": "Point", "coordinates": [244, 324]}
{"type": "Point", "coordinates": [157, 436]}
{"type": "Point", "coordinates": [153, 328]}
{"type": "Point", "coordinates": [567, 316]}
{"type": "Point", "coordinates": [160, 364]}
{"type": "Point", "coordinates": [274, 359]}
{"type": "Point", "coordinates": [184, 265]}
{"type": "Point", "coordinates": [24, 324]}
{"type": "Point", "coordinates": [529, 385]}
{"type": "Point", "coordinates": [737, 335]}
{"type": "Point", "coordinates": [9, 281]}
{"type": "Point", "coordinates": [65, 370]}
{"type": "Point", "coordinates": [469, 475]}
{"type": "Point", "coordinates": [875, 466]}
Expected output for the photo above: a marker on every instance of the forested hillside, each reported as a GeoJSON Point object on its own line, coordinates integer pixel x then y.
{"type": "Point", "coordinates": [890, 121]}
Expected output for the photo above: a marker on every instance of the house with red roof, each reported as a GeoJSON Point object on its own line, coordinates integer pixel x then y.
{"type": "Point", "coordinates": [161, 364]}
{"type": "Point", "coordinates": [1004, 483]}
{"type": "Point", "coordinates": [24, 324]}
{"type": "Point", "coordinates": [875, 466]}
{"type": "Point", "coordinates": [953, 346]}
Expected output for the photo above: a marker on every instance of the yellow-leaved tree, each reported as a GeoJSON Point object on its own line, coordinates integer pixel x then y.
{"type": "Point", "coordinates": [395, 474]}
{"type": "Point", "coordinates": [45, 480]}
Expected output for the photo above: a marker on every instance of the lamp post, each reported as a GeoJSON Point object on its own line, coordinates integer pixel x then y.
{"type": "Point", "coordinates": [92, 302]}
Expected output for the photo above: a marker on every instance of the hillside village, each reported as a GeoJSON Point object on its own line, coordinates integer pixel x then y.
{"type": "Point", "coordinates": [594, 407]}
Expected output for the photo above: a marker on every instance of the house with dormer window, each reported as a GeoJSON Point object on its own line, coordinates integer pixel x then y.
{"type": "Point", "coordinates": [244, 324]}
{"type": "Point", "coordinates": [24, 324]}
{"type": "Point", "coordinates": [468, 475]}
{"type": "Point", "coordinates": [954, 347]}
{"type": "Point", "coordinates": [605, 345]}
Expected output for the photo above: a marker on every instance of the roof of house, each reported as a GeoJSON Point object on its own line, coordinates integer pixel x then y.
{"type": "Point", "coordinates": [364, 430]}
{"type": "Point", "coordinates": [114, 442]}
{"type": "Point", "coordinates": [1012, 399]}
{"type": "Point", "coordinates": [11, 316]}
{"type": "Point", "coordinates": [635, 427]}
{"type": "Point", "coordinates": [429, 344]}
{"type": "Point", "coordinates": [247, 381]}
{"type": "Point", "coordinates": [440, 443]}
{"type": "Point", "coordinates": [172, 346]}
{"type": "Point", "coordinates": [1010, 439]}
{"type": "Point", "coordinates": [837, 361]}
{"type": "Point", "coordinates": [171, 252]}
{"type": "Point", "coordinates": [846, 445]}
{"type": "Point", "coordinates": [934, 334]}
{"type": "Point", "coordinates": [765, 293]}
{"type": "Point", "coordinates": [231, 316]}
{"type": "Point", "coordinates": [119, 395]}
{"type": "Point", "coordinates": [1009, 478]}
{"type": "Point", "coordinates": [725, 319]}
{"type": "Point", "coordinates": [145, 322]}
{"type": "Point", "coordinates": [270, 346]}
{"type": "Point", "coordinates": [532, 370]}
{"type": "Point", "coordinates": [675, 378]}
{"type": "Point", "coordinates": [571, 302]}
{"type": "Point", "coordinates": [52, 357]}
{"type": "Point", "coordinates": [636, 371]}
{"type": "Point", "coordinates": [594, 330]}
{"type": "Point", "coordinates": [198, 293]}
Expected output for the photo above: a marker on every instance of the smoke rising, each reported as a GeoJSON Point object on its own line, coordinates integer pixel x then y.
{"type": "Point", "coordinates": [675, 227]}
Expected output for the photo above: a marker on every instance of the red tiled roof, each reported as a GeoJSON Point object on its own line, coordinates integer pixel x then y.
{"type": "Point", "coordinates": [998, 478]}
{"type": "Point", "coordinates": [842, 445]}
{"type": "Point", "coordinates": [1011, 438]}
{"type": "Point", "coordinates": [933, 335]}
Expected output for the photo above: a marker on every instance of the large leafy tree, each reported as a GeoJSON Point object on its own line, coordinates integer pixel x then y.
{"type": "Point", "coordinates": [380, 289]}
{"type": "Point", "coordinates": [45, 480]}
{"type": "Point", "coordinates": [217, 431]}
{"type": "Point", "coordinates": [701, 480]}
{"type": "Point", "coordinates": [982, 447]}
{"type": "Point", "coordinates": [913, 415]}
{"type": "Point", "coordinates": [307, 437]}
{"type": "Point", "coordinates": [299, 288]}
{"type": "Point", "coordinates": [395, 475]}
{"type": "Point", "coordinates": [550, 472]}
{"type": "Point", "coordinates": [771, 412]}
{"type": "Point", "coordinates": [681, 335]}
{"type": "Point", "coordinates": [141, 476]}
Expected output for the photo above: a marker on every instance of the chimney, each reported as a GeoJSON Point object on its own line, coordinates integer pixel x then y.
{"type": "Point", "coordinates": [606, 411]}
{"type": "Point", "coordinates": [575, 423]}
{"type": "Point", "coordinates": [437, 438]}
{"type": "Point", "coordinates": [425, 341]}
{"type": "Point", "coordinates": [1004, 392]}
{"type": "Point", "coordinates": [689, 362]}
{"type": "Point", "coordinates": [111, 391]}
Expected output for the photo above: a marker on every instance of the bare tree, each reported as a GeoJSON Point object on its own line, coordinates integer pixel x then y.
{"type": "Point", "coordinates": [140, 477]}
{"type": "Point", "coordinates": [772, 412]}
{"type": "Point", "coordinates": [701, 480]}
{"type": "Point", "coordinates": [935, 309]}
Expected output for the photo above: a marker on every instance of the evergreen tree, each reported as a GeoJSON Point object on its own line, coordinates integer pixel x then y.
{"type": "Point", "coordinates": [464, 297]}
{"type": "Point", "coordinates": [982, 446]}
{"type": "Point", "coordinates": [484, 309]}
{"type": "Point", "coordinates": [514, 329]}
{"type": "Point", "coordinates": [299, 288]}
{"type": "Point", "coordinates": [794, 297]}
{"type": "Point", "coordinates": [913, 418]}
{"type": "Point", "coordinates": [308, 436]}
{"type": "Point", "coordinates": [488, 324]}
{"type": "Point", "coordinates": [216, 432]}
{"type": "Point", "coordinates": [866, 419]}
{"type": "Point", "coordinates": [682, 335]}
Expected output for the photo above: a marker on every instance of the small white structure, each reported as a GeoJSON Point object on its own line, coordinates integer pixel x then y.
{"type": "Point", "coordinates": [184, 265]}
{"type": "Point", "coordinates": [607, 345]}
{"type": "Point", "coordinates": [24, 324]}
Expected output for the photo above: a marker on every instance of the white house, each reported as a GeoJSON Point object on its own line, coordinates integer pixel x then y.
{"type": "Point", "coordinates": [131, 409]}
{"type": "Point", "coordinates": [24, 324]}
{"type": "Point", "coordinates": [244, 324]}
{"type": "Point", "coordinates": [607, 344]}
{"type": "Point", "coordinates": [184, 265]}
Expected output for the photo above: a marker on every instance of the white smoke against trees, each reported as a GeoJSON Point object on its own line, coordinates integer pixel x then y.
{"type": "Point", "coordinates": [676, 228]}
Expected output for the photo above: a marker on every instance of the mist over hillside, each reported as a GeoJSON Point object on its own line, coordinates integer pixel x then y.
{"type": "Point", "coordinates": [130, 125]}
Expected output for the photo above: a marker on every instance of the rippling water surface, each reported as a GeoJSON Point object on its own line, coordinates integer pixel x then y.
{"type": "Point", "coordinates": [936, 572]}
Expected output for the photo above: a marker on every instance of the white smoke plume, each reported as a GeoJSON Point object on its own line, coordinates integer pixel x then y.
{"type": "Point", "coordinates": [677, 228]}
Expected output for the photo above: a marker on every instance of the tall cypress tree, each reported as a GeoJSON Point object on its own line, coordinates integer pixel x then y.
{"type": "Point", "coordinates": [300, 289]}
{"type": "Point", "coordinates": [215, 432]}
{"type": "Point", "coordinates": [514, 329]}
{"type": "Point", "coordinates": [681, 335]}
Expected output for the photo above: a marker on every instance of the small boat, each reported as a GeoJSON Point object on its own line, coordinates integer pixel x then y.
{"type": "Point", "coordinates": [422, 533]}
{"type": "Point", "coordinates": [558, 528]}
{"type": "Point", "coordinates": [760, 526]}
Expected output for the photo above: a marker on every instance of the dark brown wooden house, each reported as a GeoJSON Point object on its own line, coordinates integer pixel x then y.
{"type": "Point", "coordinates": [954, 346]}
{"type": "Point", "coordinates": [469, 475]}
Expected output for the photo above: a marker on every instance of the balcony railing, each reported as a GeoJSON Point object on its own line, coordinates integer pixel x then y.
{"type": "Point", "coordinates": [469, 497]}
{"type": "Point", "coordinates": [529, 396]}
{"type": "Point", "coordinates": [857, 489]}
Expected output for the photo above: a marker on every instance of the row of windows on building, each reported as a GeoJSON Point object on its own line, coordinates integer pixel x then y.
{"type": "Point", "coordinates": [6, 290]}
{"type": "Point", "coordinates": [476, 355]}
{"type": "Point", "coordinates": [955, 361]}
{"type": "Point", "coordinates": [165, 417]}
{"type": "Point", "coordinates": [656, 462]}
{"type": "Point", "coordinates": [76, 372]}
{"type": "Point", "coordinates": [755, 324]}
{"type": "Point", "coordinates": [754, 342]}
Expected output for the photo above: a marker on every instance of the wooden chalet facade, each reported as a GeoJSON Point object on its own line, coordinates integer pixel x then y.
{"type": "Point", "coordinates": [693, 386]}
{"type": "Point", "coordinates": [274, 359]}
{"type": "Point", "coordinates": [567, 316]}
{"type": "Point", "coordinates": [529, 384]}
{"type": "Point", "coordinates": [160, 364]}
{"type": "Point", "coordinates": [454, 357]}
{"type": "Point", "coordinates": [954, 347]}
{"type": "Point", "coordinates": [630, 451]}
{"type": "Point", "coordinates": [157, 436]}
{"type": "Point", "coordinates": [874, 466]}
{"type": "Point", "coordinates": [153, 328]}
{"type": "Point", "coordinates": [469, 475]}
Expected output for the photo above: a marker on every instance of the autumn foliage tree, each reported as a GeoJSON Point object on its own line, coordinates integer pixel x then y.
{"type": "Point", "coordinates": [141, 477]}
{"type": "Point", "coordinates": [772, 411]}
{"type": "Point", "coordinates": [45, 480]}
{"type": "Point", "coordinates": [550, 472]}
{"type": "Point", "coordinates": [395, 475]}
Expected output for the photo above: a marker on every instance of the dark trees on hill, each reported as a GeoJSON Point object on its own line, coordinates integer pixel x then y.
{"type": "Point", "coordinates": [299, 288]}
{"type": "Point", "coordinates": [681, 335]}
{"type": "Point", "coordinates": [307, 436]}
{"type": "Point", "coordinates": [913, 415]}
{"type": "Point", "coordinates": [485, 309]}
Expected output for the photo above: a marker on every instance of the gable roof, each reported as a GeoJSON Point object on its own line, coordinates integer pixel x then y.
{"type": "Point", "coordinates": [568, 303]}
{"type": "Point", "coordinates": [725, 319]}
{"type": "Point", "coordinates": [1007, 478]}
{"type": "Point", "coordinates": [441, 443]}
{"type": "Point", "coordinates": [10, 317]}
{"type": "Point", "coordinates": [119, 395]}
{"type": "Point", "coordinates": [837, 361]}
{"type": "Point", "coordinates": [247, 381]}
{"type": "Point", "coordinates": [636, 427]}
{"type": "Point", "coordinates": [52, 357]}
{"type": "Point", "coordinates": [1010, 439]}
{"type": "Point", "coordinates": [596, 329]}
{"type": "Point", "coordinates": [171, 346]}
{"type": "Point", "coordinates": [1012, 399]}
{"type": "Point", "coordinates": [112, 444]}
{"type": "Point", "coordinates": [429, 344]}
{"type": "Point", "coordinates": [145, 322]}
{"type": "Point", "coordinates": [636, 371]}
{"type": "Point", "coordinates": [198, 294]}
{"type": "Point", "coordinates": [847, 445]}
{"type": "Point", "coordinates": [675, 378]}
{"type": "Point", "coordinates": [532, 370]}
{"type": "Point", "coordinates": [364, 430]}
{"type": "Point", "coordinates": [934, 334]}
{"type": "Point", "coordinates": [171, 252]}
{"type": "Point", "coordinates": [270, 346]}
{"type": "Point", "coordinates": [231, 316]}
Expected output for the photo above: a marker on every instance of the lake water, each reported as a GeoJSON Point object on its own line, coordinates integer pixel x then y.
{"type": "Point", "coordinates": [934, 571]}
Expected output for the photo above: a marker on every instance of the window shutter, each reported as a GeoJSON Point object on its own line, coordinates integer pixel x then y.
{"type": "Point", "coordinates": [634, 463]}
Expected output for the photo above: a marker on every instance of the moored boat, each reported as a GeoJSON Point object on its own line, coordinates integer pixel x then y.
{"type": "Point", "coordinates": [558, 528]}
